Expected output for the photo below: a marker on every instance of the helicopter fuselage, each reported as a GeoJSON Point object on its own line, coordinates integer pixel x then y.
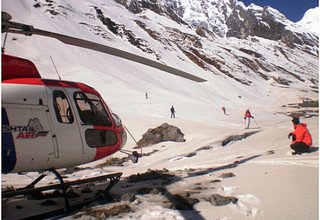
{"type": "Point", "coordinates": [54, 123]}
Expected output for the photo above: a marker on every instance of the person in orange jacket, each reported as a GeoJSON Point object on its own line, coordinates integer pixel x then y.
{"type": "Point", "coordinates": [301, 137]}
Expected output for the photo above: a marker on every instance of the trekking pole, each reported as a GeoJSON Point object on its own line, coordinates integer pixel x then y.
{"type": "Point", "coordinates": [256, 122]}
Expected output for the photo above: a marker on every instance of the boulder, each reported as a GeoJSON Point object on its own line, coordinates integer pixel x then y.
{"type": "Point", "coordinates": [164, 132]}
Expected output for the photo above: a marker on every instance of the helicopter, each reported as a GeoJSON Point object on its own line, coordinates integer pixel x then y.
{"type": "Point", "coordinates": [48, 124]}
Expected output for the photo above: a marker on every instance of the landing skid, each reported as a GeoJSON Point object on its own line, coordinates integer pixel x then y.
{"type": "Point", "coordinates": [64, 186]}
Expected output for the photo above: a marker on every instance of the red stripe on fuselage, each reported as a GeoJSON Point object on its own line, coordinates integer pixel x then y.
{"type": "Point", "coordinates": [106, 151]}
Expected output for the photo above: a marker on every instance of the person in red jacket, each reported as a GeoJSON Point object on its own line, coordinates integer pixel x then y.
{"type": "Point", "coordinates": [247, 117]}
{"type": "Point", "coordinates": [301, 137]}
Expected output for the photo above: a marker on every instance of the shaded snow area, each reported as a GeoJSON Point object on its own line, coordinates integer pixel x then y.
{"type": "Point", "coordinates": [220, 170]}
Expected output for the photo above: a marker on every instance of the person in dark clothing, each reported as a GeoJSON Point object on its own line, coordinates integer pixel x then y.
{"type": "Point", "coordinates": [301, 137]}
{"type": "Point", "coordinates": [224, 110]}
{"type": "Point", "coordinates": [173, 111]}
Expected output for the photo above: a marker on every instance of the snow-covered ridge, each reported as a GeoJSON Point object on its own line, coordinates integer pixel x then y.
{"type": "Point", "coordinates": [311, 20]}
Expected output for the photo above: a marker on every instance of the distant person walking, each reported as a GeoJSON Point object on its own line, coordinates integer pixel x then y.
{"type": "Point", "coordinates": [146, 95]}
{"type": "Point", "coordinates": [247, 117]}
{"type": "Point", "coordinates": [173, 112]}
{"type": "Point", "coordinates": [301, 137]}
{"type": "Point", "coordinates": [224, 110]}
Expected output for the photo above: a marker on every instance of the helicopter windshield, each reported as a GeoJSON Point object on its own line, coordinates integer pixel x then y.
{"type": "Point", "coordinates": [91, 110]}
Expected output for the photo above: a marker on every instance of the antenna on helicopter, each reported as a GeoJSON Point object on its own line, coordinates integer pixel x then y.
{"type": "Point", "coordinates": [55, 68]}
{"type": "Point", "coordinates": [20, 28]}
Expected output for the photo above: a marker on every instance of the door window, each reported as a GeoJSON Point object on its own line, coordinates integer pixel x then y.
{"type": "Point", "coordinates": [62, 107]}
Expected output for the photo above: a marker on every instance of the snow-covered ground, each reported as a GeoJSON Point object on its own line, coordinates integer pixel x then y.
{"type": "Point", "coordinates": [268, 181]}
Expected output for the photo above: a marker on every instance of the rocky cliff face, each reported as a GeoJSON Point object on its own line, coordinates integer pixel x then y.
{"type": "Point", "coordinates": [229, 18]}
{"type": "Point", "coordinates": [266, 23]}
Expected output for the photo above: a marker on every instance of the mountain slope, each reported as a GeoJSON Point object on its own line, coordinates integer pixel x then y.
{"type": "Point", "coordinates": [239, 59]}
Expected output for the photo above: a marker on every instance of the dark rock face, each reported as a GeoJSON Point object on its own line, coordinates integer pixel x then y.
{"type": "Point", "coordinates": [169, 9]}
{"type": "Point", "coordinates": [243, 23]}
{"type": "Point", "coordinates": [164, 132]}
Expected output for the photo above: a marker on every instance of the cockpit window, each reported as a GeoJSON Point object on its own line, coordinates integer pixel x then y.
{"type": "Point", "coordinates": [62, 107]}
{"type": "Point", "coordinates": [91, 110]}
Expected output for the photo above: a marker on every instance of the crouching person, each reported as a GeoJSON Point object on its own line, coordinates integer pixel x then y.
{"type": "Point", "coordinates": [301, 137]}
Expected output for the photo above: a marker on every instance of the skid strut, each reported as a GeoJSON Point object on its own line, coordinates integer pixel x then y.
{"type": "Point", "coordinates": [31, 189]}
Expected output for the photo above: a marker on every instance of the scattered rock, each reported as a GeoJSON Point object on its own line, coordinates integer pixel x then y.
{"type": "Point", "coordinates": [309, 103]}
{"type": "Point", "coordinates": [237, 137]}
{"type": "Point", "coordinates": [199, 188]}
{"type": "Point", "coordinates": [151, 175]}
{"type": "Point", "coordinates": [218, 200]}
{"type": "Point", "coordinates": [227, 175]}
{"type": "Point", "coordinates": [104, 213]}
{"type": "Point", "coordinates": [270, 152]}
{"type": "Point", "coordinates": [128, 197]}
{"type": "Point", "coordinates": [183, 201]}
{"type": "Point", "coordinates": [144, 190]}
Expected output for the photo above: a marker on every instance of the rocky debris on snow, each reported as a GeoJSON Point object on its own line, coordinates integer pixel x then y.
{"type": "Point", "coordinates": [270, 152]}
{"type": "Point", "coordinates": [218, 200]}
{"type": "Point", "coordinates": [227, 175]}
{"type": "Point", "coordinates": [307, 109]}
{"type": "Point", "coordinates": [149, 190]}
{"type": "Point", "coordinates": [129, 197]}
{"type": "Point", "coordinates": [237, 137]}
{"type": "Point", "coordinates": [164, 132]}
{"type": "Point", "coordinates": [114, 161]}
{"type": "Point", "coordinates": [309, 103]}
{"type": "Point", "coordinates": [183, 201]}
{"type": "Point", "coordinates": [105, 212]}
{"type": "Point", "coordinates": [151, 175]}
{"type": "Point", "coordinates": [306, 103]}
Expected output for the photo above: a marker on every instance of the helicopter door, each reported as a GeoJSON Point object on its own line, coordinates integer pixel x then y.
{"type": "Point", "coordinates": [67, 134]}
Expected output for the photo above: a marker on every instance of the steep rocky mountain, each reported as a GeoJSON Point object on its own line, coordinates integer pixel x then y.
{"type": "Point", "coordinates": [229, 18]}
{"type": "Point", "coordinates": [243, 46]}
